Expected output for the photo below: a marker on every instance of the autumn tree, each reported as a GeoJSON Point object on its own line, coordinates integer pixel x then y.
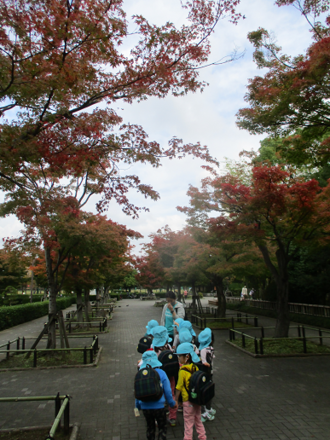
{"type": "Point", "coordinates": [150, 272]}
{"type": "Point", "coordinates": [291, 100]}
{"type": "Point", "coordinates": [62, 70]}
{"type": "Point", "coordinates": [14, 264]}
{"type": "Point", "coordinates": [278, 211]}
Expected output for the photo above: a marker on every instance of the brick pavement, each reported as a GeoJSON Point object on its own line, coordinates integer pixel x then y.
{"type": "Point", "coordinates": [267, 399]}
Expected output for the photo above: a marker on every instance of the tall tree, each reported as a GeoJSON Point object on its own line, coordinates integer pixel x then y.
{"type": "Point", "coordinates": [278, 211]}
{"type": "Point", "coordinates": [291, 100]}
{"type": "Point", "coordinates": [58, 62]}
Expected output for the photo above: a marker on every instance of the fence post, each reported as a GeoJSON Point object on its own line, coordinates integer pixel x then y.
{"type": "Point", "coordinates": [304, 344]}
{"type": "Point", "coordinates": [234, 336]}
{"type": "Point", "coordinates": [100, 326]}
{"type": "Point", "coordinates": [304, 339]}
{"type": "Point", "coordinates": [262, 332]}
{"type": "Point", "coordinates": [320, 335]}
{"type": "Point", "coordinates": [256, 346]}
{"type": "Point", "coordinates": [35, 358]}
{"type": "Point", "coordinates": [85, 355]}
{"type": "Point", "coordinates": [261, 346]}
{"type": "Point", "coordinates": [8, 348]}
{"type": "Point", "coordinates": [67, 417]}
{"type": "Point", "coordinates": [91, 352]}
{"type": "Point", "coordinates": [17, 343]}
{"type": "Point", "coordinates": [57, 406]}
{"type": "Point", "coordinates": [255, 321]}
{"type": "Point", "coordinates": [23, 343]}
{"type": "Point", "coordinates": [243, 340]}
{"type": "Point", "coordinates": [232, 322]}
{"type": "Point", "coordinates": [230, 336]}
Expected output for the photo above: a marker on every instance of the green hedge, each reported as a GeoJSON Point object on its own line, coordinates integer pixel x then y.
{"type": "Point", "coordinates": [16, 298]}
{"type": "Point", "coordinates": [316, 321]}
{"type": "Point", "coordinates": [15, 315]}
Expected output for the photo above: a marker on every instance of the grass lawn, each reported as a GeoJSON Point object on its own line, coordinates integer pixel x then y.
{"type": "Point", "coordinates": [36, 434]}
{"type": "Point", "coordinates": [283, 346]}
{"type": "Point", "coordinates": [74, 357]}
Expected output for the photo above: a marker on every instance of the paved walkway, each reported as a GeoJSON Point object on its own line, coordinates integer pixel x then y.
{"type": "Point", "coordinates": [267, 399]}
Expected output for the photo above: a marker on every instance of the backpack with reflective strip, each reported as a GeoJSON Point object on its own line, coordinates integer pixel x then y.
{"type": "Point", "coordinates": [201, 387]}
{"type": "Point", "coordinates": [144, 344]}
{"type": "Point", "coordinates": [147, 385]}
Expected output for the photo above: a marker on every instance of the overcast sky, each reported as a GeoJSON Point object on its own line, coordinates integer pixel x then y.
{"type": "Point", "coordinates": [208, 117]}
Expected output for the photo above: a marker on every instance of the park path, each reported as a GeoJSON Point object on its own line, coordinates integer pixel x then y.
{"type": "Point", "coordinates": [267, 399]}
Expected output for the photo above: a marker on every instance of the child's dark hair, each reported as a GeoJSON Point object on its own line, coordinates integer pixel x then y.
{"type": "Point", "coordinates": [170, 294]}
{"type": "Point", "coordinates": [190, 358]}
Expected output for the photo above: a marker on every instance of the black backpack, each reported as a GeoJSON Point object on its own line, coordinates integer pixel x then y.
{"type": "Point", "coordinates": [170, 363]}
{"type": "Point", "coordinates": [147, 385]}
{"type": "Point", "coordinates": [201, 387]}
{"type": "Point", "coordinates": [144, 344]}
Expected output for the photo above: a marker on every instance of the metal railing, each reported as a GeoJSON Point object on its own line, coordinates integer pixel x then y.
{"type": "Point", "coordinates": [202, 321]}
{"type": "Point", "coordinates": [299, 308]}
{"type": "Point", "coordinates": [62, 408]}
{"type": "Point", "coordinates": [259, 342]}
{"type": "Point", "coordinates": [88, 352]}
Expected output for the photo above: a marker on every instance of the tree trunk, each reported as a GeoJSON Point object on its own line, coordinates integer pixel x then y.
{"type": "Point", "coordinates": [193, 289]}
{"type": "Point", "coordinates": [179, 292]}
{"type": "Point", "coordinates": [79, 304]}
{"type": "Point", "coordinates": [281, 278]}
{"type": "Point", "coordinates": [221, 313]}
{"type": "Point", "coordinates": [52, 300]}
{"type": "Point", "coordinates": [282, 308]}
{"type": "Point", "coordinates": [88, 307]}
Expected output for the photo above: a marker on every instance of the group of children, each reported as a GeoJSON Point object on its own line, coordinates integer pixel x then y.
{"type": "Point", "coordinates": [192, 353]}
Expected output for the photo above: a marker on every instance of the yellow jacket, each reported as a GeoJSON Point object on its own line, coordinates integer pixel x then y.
{"type": "Point", "coordinates": [184, 379]}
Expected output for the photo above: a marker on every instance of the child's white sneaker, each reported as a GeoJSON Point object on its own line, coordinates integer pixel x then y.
{"type": "Point", "coordinates": [211, 411]}
{"type": "Point", "coordinates": [207, 417]}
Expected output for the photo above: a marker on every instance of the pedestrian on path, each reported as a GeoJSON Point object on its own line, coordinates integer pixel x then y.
{"type": "Point", "coordinates": [154, 411]}
{"type": "Point", "coordinates": [171, 311]}
{"type": "Point", "coordinates": [191, 411]}
{"type": "Point", "coordinates": [206, 352]}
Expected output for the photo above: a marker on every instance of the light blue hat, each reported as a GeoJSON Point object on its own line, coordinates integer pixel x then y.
{"type": "Point", "coordinates": [188, 325]}
{"type": "Point", "coordinates": [177, 322]}
{"type": "Point", "coordinates": [149, 357]}
{"type": "Point", "coordinates": [151, 324]}
{"type": "Point", "coordinates": [160, 335]}
{"type": "Point", "coordinates": [187, 348]}
{"type": "Point", "coordinates": [205, 338]}
{"type": "Point", "coordinates": [185, 336]}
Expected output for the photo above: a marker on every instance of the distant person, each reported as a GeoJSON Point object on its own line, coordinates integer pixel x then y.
{"type": "Point", "coordinates": [171, 311]}
{"type": "Point", "coordinates": [244, 293]}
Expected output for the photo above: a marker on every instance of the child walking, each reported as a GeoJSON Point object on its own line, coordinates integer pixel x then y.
{"type": "Point", "coordinates": [191, 411]}
{"type": "Point", "coordinates": [154, 411]}
{"type": "Point", "coordinates": [161, 343]}
{"type": "Point", "coordinates": [206, 353]}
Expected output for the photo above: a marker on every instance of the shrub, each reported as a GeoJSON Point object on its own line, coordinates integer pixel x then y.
{"type": "Point", "coordinates": [15, 315]}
